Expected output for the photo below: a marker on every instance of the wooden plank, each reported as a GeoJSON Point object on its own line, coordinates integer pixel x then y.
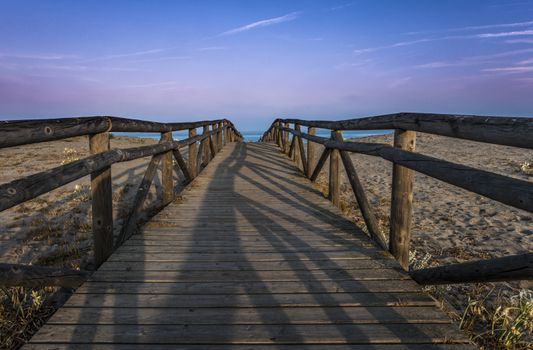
{"type": "Point", "coordinates": [373, 274]}
{"type": "Point", "coordinates": [102, 202]}
{"type": "Point", "coordinates": [60, 346]}
{"type": "Point", "coordinates": [401, 201]}
{"type": "Point", "coordinates": [252, 334]}
{"type": "Point", "coordinates": [264, 293]}
{"type": "Point", "coordinates": [247, 265]}
{"type": "Point", "coordinates": [270, 316]}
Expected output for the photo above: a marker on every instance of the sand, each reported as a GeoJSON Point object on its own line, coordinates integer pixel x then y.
{"type": "Point", "coordinates": [55, 228]}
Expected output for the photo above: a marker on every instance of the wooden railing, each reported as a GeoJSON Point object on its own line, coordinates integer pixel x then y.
{"type": "Point", "coordinates": [517, 132]}
{"type": "Point", "coordinates": [201, 149]}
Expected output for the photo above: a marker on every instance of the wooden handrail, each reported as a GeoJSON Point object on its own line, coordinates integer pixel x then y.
{"type": "Point", "coordinates": [510, 131]}
{"type": "Point", "coordinates": [22, 132]}
{"type": "Point", "coordinates": [98, 165]}
{"type": "Point", "coordinates": [497, 130]}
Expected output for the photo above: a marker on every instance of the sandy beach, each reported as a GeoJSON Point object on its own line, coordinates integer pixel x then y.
{"type": "Point", "coordinates": [55, 228]}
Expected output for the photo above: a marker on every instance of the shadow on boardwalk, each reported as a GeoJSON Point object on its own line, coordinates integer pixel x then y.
{"type": "Point", "coordinates": [252, 255]}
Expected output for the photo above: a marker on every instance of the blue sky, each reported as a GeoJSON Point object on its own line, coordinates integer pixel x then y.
{"type": "Point", "coordinates": [252, 61]}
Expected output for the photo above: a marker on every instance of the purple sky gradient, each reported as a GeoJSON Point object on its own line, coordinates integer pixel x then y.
{"type": "Point", "coordinates": [257, 60]}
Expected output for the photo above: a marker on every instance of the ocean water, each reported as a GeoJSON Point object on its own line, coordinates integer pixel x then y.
{"type": "Point", "coordinates": [254, 135]}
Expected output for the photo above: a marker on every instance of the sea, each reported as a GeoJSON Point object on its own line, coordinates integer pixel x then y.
{"type": "Point", "coordinates": [254, 135]}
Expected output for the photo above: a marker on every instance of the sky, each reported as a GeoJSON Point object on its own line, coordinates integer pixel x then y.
{"type": "Point", "coordinates": [253, 61]}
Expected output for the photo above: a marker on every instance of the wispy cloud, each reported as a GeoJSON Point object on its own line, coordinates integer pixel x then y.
{"type": "Point", "coordinates": [448, 37]}
{"type": "Point", "coordinates": [504, 34]}
{"type": "Point", "coordinates": [159, 59]}
{"type": "Point", "coordinates": [398, 44]}
{"type": "Point", "coordinates": [123, 55]}
{"type": "Point", "coordinates": [31, 56]}
{"type": "Point", "coordinates": [263, 23]}
{"type": "Point", "coordinates": [149, 85]}
{"type": "Point", "coordinates": [340, 7]}
{"type": "Point", "coordinates": [513, 69]}
{"type": "Point", "coordinates": [519, 41]}
{"type": "Point", "coordinates": [474, 60]}
{"type": "Point", "coordinates": [399, 82]}
{"type": "Point", "coordinates": [472, 28]}
{"type": "Point", "coordinates": [212, 48]}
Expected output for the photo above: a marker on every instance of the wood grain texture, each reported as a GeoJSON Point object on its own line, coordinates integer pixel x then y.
{"type": "Point", "coordinates": [252, 255]}
{"type": "Point", "coordinates": [102, 202]}
{"type": "Point", "coordinates": [402, 201]}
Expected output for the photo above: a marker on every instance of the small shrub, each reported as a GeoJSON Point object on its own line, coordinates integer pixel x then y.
{"type": "Point", "coordinates": [70, 155]}
{"type": "Point", "coordinates": [527, 168]}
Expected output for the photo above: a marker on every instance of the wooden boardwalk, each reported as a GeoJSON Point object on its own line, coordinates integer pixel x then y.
{"type": "Point", "coordinates": [250, 257]}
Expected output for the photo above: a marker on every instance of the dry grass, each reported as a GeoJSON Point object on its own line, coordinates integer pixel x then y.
{"type": "Point", "coordinates": [22, 312]}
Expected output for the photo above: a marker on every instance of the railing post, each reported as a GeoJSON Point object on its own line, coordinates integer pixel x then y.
{"type": "Point", "coordinates": [214, 137]}
{"type": "Point", "coordinates": [219, 136]}
{"type": "Point", "coordinates": [224, 134]}
{"type": "Point", "coordinates": [334, 173]}
{"type": "Point", "coordinates": [286, 139]}
{"type": "Point", "coordinates": [192, 154]}
{"type": "Point", "coordinates": [166, 171]}
{"type": "Point", "coordinates": [401, 201]}
{"type": "Point", "coordinates": [311, 161]}
{"type": "Point", "coordinates": [102, 202]}
{"type": "Point", "coordinates": [206, 145]}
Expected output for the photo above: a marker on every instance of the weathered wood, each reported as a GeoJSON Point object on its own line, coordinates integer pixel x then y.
{"type": "Point", "coordinates": [215, 316]}
{"type": "Point", "coordinates": [334, 174]}
{"type": "Point", "coordinates": [192, 155]}
{"type": "Point", "coordinates": [219, 135]}
{"type": "Point", "coordinates": [133, 125]}
{"type": "Point", "coordinates": [302, 150]}
{"type": "Point", "coordinates": [22, 132]}
{"type": "Point", "coordinates": [401, 201]}
{"type": "Point", "coordinates": [13, 275]}
{"type": "Point", "coordinates": [510, 131]}
{"type": "Point", "coordinates": [514, 267]}
{"type": "Point", "coordinates": [311, 161]}
{"type": "Point", "coordinates": [255, 334]}
{"type": "Point", "coordinates": [58, 346]}
{"type": "Point", "coordinates": [102, 202]}
{"type": "Point", "coordinates": [205, 142]}
{"type": "Point", "coordinates": [31, 186]}
{"type": "Point", "coordinates": [182, 164]}
{"type": "Point", "coordinates": [212, 147]}
{"type": "Point", "coordinates": [371, 221]}
{"type": "Point", "coordinates": [199, 158]}
{"type": "Point", "coordinates": [167, 182]}
{"type": "Point", "coordinates": [130, 223]}
{"type": "Point", "coordinates": [291, 148]}
{"type": "Point", "coordinates": [286, 140]}
{"type": "Point", "coordinates": [320, 164]}
{"type": "Point", "coordinates": [514, 192]}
